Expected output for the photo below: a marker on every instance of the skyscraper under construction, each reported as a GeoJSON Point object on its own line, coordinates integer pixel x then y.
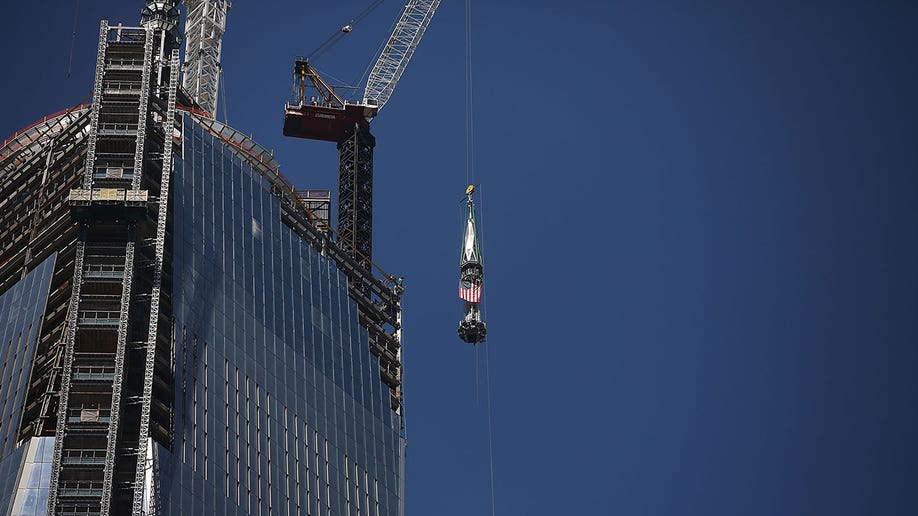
{"type": "Point", "coordinates": [179, 331]}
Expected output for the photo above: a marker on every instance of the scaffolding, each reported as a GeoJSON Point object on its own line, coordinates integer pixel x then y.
{"type": "Point", "coordinates": [317, 202]}
{"type": "Point", "coordinates": [116, 321]}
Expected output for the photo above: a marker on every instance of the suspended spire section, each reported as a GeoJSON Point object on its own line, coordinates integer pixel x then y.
{"type": "Point", "coordinates": [205, 25]}
{"type": "Point", "coordinates": [471, 251]}
{"type": "Point", "coordinates": [160, 14]}
{"type": "Point", "coordinates": [471, 328]}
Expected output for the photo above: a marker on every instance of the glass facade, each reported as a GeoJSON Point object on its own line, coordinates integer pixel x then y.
{"type": "Point", "coordinates": [32, 495]}
{"type": "Point", "coordinates": [9, 473]}
{"type": "Point", "coordinates": [279, 405]}
{"type": "Point", "coordinates": [21, 310]}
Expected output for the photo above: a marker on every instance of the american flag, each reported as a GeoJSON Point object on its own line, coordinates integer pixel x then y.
{"type": "Point", "coordinates": [470, 291]}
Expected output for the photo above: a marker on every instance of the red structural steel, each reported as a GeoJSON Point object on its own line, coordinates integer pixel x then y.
{"type": "Point", "coordinates": [31, 133]}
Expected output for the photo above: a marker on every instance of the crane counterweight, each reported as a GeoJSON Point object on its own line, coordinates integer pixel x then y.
{"type": "Point", "coordinates": [324, 122]}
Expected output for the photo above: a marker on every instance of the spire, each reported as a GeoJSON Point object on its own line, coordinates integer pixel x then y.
{"type": "Point", "coordinates": [471, 328]}
{"type": "Point", "coordinates": [160, 14]}
{"type": "Point", "coordinates": [471, 250]}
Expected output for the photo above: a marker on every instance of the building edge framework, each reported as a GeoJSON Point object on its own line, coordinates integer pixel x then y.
{"type": "Point", "coordinates": [115, 372]}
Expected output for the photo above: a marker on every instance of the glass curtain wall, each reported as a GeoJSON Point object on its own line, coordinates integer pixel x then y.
{"type": "Point", "coordinates": [279, 407]}
{"type": "Point", "coordinates": [21, 309]}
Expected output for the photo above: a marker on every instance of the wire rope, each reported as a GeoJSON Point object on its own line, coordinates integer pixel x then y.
{"type": "Point", "coordinates": [490, 424]}
{"type": "Point", "coordinates": [338, 34]}
{"type": "Point", "coordinates": [223, 97]}
{"type": "Point", "coordinates": [484, 314]}
{"type": "Point", "coordinates": [340, 84]}
{"type": "Point", "coordinates": [76, 18]}
{"type": "Point", "coordinates": [470, 179]}
{"type": "Point", "coordinates": [469, 104]}
{"type": "Point", "coordinates": [375, 57]}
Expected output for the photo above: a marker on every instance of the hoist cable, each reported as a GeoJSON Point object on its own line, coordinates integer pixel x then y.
{"type": "Point", "coordinates": [338, 34]}
{"type": "Point", "coordinates": [490, 425]}
{"type": "Point", "coordinates": [223, 97]}
{"type": "Point", "coordinates": [469, 105]}
{"type": "Point", "coordinates": [76, 18]}
{"type": "Point", "coordinates": [470, 179]}
{"type": "Point", "coordinates": [484, 314]}
{"type": "Point", "coordinates": [371, 62]}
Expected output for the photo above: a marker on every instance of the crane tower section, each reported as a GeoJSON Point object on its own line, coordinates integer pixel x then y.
{"type": "Point", "coordinates": [204, 28]}
{"type": "Point", "coordinates": [328, 117]}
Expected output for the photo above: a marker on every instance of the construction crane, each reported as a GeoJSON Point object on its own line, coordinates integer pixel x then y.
{"type": "Point", "coordinates": [328, 117]}
{"type": "Point", "coordinates": [205, 25]}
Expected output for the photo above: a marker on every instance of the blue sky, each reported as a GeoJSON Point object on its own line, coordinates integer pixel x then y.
{"type": "Point", "coordinates": [699, 235]}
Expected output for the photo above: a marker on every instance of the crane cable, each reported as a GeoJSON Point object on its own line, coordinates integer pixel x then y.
{"type": "Point", "coordinates": [338, 34]}
{"type": "Point", "coordinates": [469, 104]}
{"type": "Point", "coordinates": [371, 62]}
{"type": "Point", "coordinates": [470, 179]}
{"type": "Point", "coordinates": [223, 98]}
{"type": "Point", "coordinates": [76, 19]}
{"type": "Point", "coordinates": [484, 314]}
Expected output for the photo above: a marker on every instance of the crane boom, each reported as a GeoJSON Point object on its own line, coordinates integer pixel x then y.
{"type": "Point", "coordinates": [204, 28]}
{"type": "Point", "coordinates": [398, 51]}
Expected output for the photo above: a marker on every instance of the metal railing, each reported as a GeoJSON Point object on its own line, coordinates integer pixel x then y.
{"type": "Point", "coordinates": [114, 129]}
{"type": "Point", "coordinates": [93, 373]}
{"type": "Point", "coordinates": [89, 415]}
{"type": "Point", "coordinates": [84, 456]}
{"type": "Point", "coordinates": [113, 173]}
{"type": "Point", "coordinates": [98, 270]}
{"type": "Point", "coordinates": [78, 488]}
{"type": "Point", "coordinates": [124, 63]}
{"type": "Point", "coordinates": [98, 318]}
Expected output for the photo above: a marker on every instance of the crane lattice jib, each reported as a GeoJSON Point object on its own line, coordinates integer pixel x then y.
{"type": "Point", "coordinates": [398, 51]}
{"type": "Point", "coordinates": [204, 27]}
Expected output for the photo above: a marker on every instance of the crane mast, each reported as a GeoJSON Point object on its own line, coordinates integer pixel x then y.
{"type": "Point", "coordinates": [398, 51]}
{"type": "Point", "coordinates": [205, 25]}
